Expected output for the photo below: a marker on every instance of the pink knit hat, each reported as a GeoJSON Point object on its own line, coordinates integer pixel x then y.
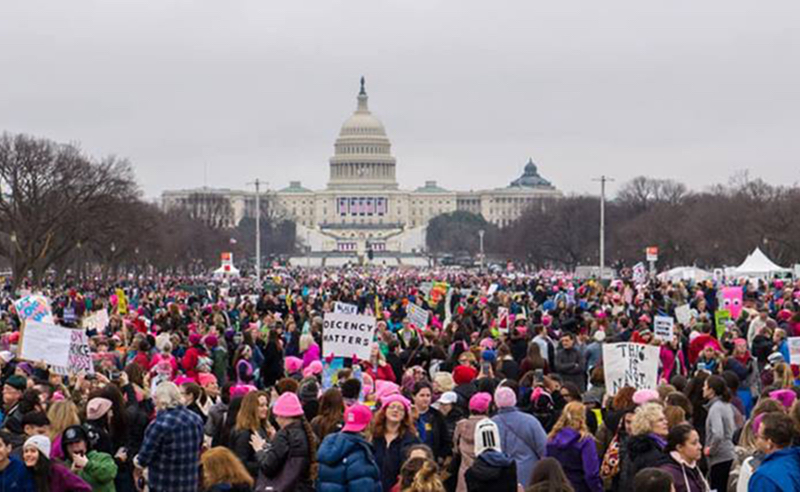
{"type": "Point", "coordinates": [479, 403]}
{"type": "Point", "coordinates": [643, 396]}
{"type": "Point", "coordinates": [505, 397]}
{"type": "Point", "coordinates": [785, 396]}
{"type": "Point", "coordinates": [313, 369]}
{"type": "Point", "coordinates": [288, 405]}
{"type": "Point", "coordinates": [293, 364]}
{"type": "Point", "coordinates": [396, 397]}
{"type": "Point", "coordinates": [205, 378]}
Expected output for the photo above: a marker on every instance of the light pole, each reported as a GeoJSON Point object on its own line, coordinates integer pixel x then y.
{"type": "Point", "coordinates": [257, 183]}
{"type": "Point", "coordinates": [480, 235]}
{"type": "Point", "coordinates": [603, 179]}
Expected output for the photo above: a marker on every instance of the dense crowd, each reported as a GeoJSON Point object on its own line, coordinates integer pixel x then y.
{"type": "Point", "coordinates": [201, 384]}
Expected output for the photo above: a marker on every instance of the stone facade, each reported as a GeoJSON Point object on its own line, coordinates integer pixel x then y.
{"type": "Point", "coordinates": [363, 207]}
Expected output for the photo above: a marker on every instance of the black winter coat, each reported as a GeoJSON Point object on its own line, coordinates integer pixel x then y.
{"type": "Point", "coordinates": [285, 462]}
{"type": "Point", "coordinates": [638, 453]}
{"type": "Point", "coordinates": [492, 472]}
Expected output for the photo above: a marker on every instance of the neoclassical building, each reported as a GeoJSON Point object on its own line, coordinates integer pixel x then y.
{"type": "Point", "coordinates": [362, 207]}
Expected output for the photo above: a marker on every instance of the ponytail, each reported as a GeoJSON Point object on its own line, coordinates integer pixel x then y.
{"type": "Point", "coordinates": [313, 466]}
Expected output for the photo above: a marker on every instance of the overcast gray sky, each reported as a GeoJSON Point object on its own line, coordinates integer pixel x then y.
{"type": "Point", "coordinates": [467, 90]}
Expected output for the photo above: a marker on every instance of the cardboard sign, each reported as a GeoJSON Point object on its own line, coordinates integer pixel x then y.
{"type": "Point", "coordinates": [684, 314]}
{"type": "Point", "coordinates": [663, 328]}
{"type": "Point", "coordinates": [97, 321]}
{"type": "Point", "coordinates": [639, 273]}
{"type": "Point", "coordinates": [80, 355]}
{"type": "Point", "coordinates": [45, 342]}
{"type": "Point", "coordinates": [347, 335]}
{"type": "Point", "coordinates": [345, 308]}
{"type": "Point", "coordinates": [630, 364]}
{"type": "Point", "coordinates": [34, 307]}
{"type": "Point", "coordinates": [721, 319]}
{"type": "Point", "coordinates": [417, 316]}
{"type": "Point", "coordinates": [794, 349]}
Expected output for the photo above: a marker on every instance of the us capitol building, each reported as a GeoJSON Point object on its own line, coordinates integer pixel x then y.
{"type": "Point", "coordinates": [362, 208]}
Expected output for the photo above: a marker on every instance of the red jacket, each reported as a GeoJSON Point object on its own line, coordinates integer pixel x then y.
{"type": "Point", "coordinates": [190, 360]}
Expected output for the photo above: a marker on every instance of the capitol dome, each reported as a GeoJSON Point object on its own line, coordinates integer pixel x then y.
{"type": "Point", "coordinates": [362, 153]}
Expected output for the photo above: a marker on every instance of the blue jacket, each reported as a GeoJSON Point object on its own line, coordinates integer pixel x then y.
{"type": "Point", "coordinates": [779, 472]}
{"type": "Point", "coordinates": [522, 438]}
{"type": "Point", "coordinates": [16, 477]}
{"type": "Point", "coordinates": [346, 464]}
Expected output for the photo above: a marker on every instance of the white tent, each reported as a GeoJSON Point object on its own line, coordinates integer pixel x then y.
{"type": "Point", "coordinates": [758, 265]}
{"type": "Point", "coordinates": [687, 273]}
{"type": "Point", "coordinates": [226, 271]}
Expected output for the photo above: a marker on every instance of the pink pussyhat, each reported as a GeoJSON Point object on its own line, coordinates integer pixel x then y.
{"type": "Point", "coordinates": [288, 405]}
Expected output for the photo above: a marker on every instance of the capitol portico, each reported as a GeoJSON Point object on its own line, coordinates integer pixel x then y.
{"type": "Point", "coordinates": [363, 208]}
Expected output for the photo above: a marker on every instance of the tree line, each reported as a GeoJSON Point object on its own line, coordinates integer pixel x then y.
{"type": "Point", "coordinates": [63, 212]}
{"type": "Point", "coordinates": [715, 227]}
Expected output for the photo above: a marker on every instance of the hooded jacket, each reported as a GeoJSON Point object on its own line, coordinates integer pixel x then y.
{"type": "Point", "coordinates": [779, 472]}
{"type": "Point", "coordinates": [720, 426]}
{"type": "Point", "coordinates": [685, 477]}
{"type": "Point", "coordinates": [346, 464]}
{"type": "Point", "coordinates": [522, 438]}
{"type": "Point", "coordinates": [578, 458]}
{"type": "Point", "coordinates": [639, 452]}
{"type": "Point", "coordinates": [492, 471]}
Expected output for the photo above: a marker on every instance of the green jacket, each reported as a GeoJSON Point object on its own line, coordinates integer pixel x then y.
{"type": "Point", "coordinates": [99, 472]}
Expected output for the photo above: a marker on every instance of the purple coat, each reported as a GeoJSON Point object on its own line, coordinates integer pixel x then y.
{"type": "Point", "coordinates": [578, 458]}
{"type": "Point", "coordinates": [63, 480]}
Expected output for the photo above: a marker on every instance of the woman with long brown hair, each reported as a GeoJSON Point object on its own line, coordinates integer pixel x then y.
{"type": "Point", "coordinates": [251, 419]}
{"type": "Point", "coordinates": [330, 417]}
{"type": "Point", "coordinates": [571, 443]}
{"type": "Point", "coordinates": [223, 472]}
{"type": "Point", "coordinates": [392, 433]}
{"type": "Point", "coordinates": [289, 461]}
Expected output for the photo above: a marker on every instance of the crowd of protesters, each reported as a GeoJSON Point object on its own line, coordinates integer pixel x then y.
{"type": "Point", "coordinates": [225, 386]}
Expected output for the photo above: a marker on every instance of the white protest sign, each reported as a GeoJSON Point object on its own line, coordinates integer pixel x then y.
{"type": "Point", "coordinates": [347, 335]}
{"type": "Point", "coordinates": [502, 319]}
{"type": "Point", "coordinates": [417, 316]}
{"type": "Point", "coordinates": [80, 355]}
{"type": "Point", "coordinates": [426, 287]}
{"type": "Point", "coordinates": [630, 364]}
{"type": "Point", "coordinates": [663, 328]}
{"type": "Point", "coordinates": [639, 273]}
{"type": "Point", "coordinates": [794, 349]}
{"type": "Point", "coordinates": [492, 289]}
{"type": "Point", "coordinates": [34, 307]}
{"type": "Point", "coordinates": [684, 314]}
{"type": "Point", "coordinates": [344, 308]}
{"type": "Point", "coordinates": [45, 342]}
{"type": "Point", "coordinates": [96, 321]}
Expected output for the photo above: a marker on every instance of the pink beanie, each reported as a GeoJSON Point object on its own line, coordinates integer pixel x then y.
{"type": "Point", "coordinates": [505, 397]}
{"type": "Point", "coordinates": [479, 403]}
{"type": "Point", "coordinates": [293, 364]}
{"type": "Point", "coordinates": [288, 405]}
{"type": "Point", "coordinates": [643, 396]}
{"type": "Point", "coordinates": [313, 369]}
{"type": "Point", "coordinates": [785, 396]}
{"type": "Point", "coordinates": [205, 378]}
{"type": "Point", "coordinates": [396, 397]}
{"type": "Point", "coordinates": [384, 388]}
{"type": "Point", "coordinates": [241, 390]}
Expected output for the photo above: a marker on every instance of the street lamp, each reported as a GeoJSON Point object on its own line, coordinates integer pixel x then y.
{"type": "Point", "coordinates": [480, 235]}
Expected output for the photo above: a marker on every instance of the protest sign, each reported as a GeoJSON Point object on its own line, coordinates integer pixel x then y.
{"type": "Point", "coordinates": [96, 321]}
{"type": "Point", "coordinates": [80, 356]}
{"type": "Point", "coordinates": [122, 302]}
{"type": "Point", "coordinates": [417, 316]}
{"type": "Point", "coordinates": [69, 315]}
{"type": "Point", "coordinates": [663, 328]}
{"type": "Point", "coordinates": [425, 288]}
{"type": "Point", "coordinates": [34, 307]}
{"type": "Point", "coordinates": [684, 314]}
{"type": "Point", "coordinates": [492, 289]}
{"type": "Point", "coordinates": [502, 319]}
{"type": "Point", "coordinates": [630, 364]}
{"type": "Point", "coordinates": [794, 349]}
{"type": "Point", "coordinates": [344, 308]}
{"type": "Point", "coordinates": [348, 335]}
{"type": "Point", "coordinates": [721, 319]}
{"type": "Point", "coordinates": [639, 273]}
{"type": "Point", "coordinates": [45, 342]}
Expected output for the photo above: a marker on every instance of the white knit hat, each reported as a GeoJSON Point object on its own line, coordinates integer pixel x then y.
{"type": "Point", "coordinates": [487, 436]}
{"type": "Point", "coordinates": [42, 443]}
